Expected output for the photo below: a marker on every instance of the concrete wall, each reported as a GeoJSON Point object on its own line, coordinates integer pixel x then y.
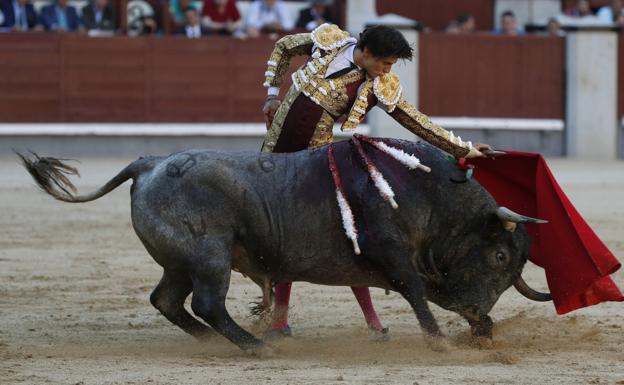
{"type": "Point", "coordinates": [591, 116]}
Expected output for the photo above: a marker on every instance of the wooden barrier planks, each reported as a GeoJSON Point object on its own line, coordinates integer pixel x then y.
{"type": "Point", "coordinates": [72, 78]}
{"type": "Point", "coordinates": [30, 77]}
{"type": "Point", "coordinates": [491, 76]}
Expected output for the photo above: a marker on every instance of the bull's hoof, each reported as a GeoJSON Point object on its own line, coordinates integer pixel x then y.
{"type": "Point", "coordinates": [481, 342]}
{"type": "Point", "coordinates": [262, 351]}
{"type": "Point", "coordinates": [276, 334]}
{"type": "Point", "coordinates": [382, 335]}
{"type": "Point", "coordinates": [437, 343]}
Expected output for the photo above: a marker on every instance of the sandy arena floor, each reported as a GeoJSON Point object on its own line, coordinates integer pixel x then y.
{"type": "Point", "coordinates": [74, 308]}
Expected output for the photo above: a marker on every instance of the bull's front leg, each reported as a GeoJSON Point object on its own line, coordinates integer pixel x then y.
{"type": "Point", "coordinates": [407, 282]}
{"type": "Point", "coordinates": [481, 326]}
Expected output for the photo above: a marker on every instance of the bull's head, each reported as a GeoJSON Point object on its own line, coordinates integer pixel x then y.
{"type": "Point", "coordinates": [469, 272]}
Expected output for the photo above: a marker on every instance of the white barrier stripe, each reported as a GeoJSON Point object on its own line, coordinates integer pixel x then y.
{"type": "Point", "coordinates": [146, 129]}
{"type": "Point", "coordinates": [499, 123]}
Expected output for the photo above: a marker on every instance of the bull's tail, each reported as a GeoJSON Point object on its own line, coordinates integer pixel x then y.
{"type": "Point", "coordinates": [52, 175]}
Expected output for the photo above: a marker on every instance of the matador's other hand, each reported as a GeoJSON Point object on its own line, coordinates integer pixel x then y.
{"type": "Point", "coordinates": [270, 106]}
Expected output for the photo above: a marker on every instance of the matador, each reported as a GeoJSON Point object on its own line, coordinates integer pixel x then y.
{"type": "Point", "coordinates": [343, 77]}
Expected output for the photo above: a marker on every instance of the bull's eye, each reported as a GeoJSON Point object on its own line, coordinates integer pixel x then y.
{"type": "Point", "coordinates": [501, 259]}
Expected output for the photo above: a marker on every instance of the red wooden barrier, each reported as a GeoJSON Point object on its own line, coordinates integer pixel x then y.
{"type": "Point", "coordinates": [73, 78]}
{"type": "Point", "coordinates": [491, 76]}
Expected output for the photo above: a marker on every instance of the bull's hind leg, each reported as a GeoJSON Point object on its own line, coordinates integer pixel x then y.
{"type": "Point", "coordinates": [169, 297]}
{"type": "Point", "coordinates": [211, 280]}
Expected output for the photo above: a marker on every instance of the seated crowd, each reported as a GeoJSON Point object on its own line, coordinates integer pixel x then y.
{"type": "Point", "coordinates": [582, 14]}
{"type": "Point", "coordinates": [272, 18]}
{"type": "Point", "coordinates": [185, 17]}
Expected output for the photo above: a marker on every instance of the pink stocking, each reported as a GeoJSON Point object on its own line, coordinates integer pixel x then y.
{"type": "Point", "coordinates": [362, 294]}
{"type": "Point", "coordinates": [282, 297]}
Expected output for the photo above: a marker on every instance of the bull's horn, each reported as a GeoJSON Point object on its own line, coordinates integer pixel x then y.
{"type": "Point", "coordinates": [526, 291]}
{"type": "Point", "coordinates": [507, 215]}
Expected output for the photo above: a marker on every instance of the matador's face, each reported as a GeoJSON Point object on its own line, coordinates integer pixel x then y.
{"type": "Point", "coordinates": [376, 66]}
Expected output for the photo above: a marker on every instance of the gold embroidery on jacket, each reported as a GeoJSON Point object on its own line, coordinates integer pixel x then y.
{"type": "Point", "coordinates": [420, 124]}
{"type": "Point", "coordinates": [273, 133]}
{"type": "Point", "coordinates": [324, 132]}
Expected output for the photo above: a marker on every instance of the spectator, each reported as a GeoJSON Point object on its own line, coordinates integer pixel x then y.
{"type": "Point", "coordinates": [509, 25]}
{"type": "Point", "coordinates": [582, 9]}
{"type": "Point", "coordinates": [192, 27]}
{"type": "Point", "coordinates": [317, 14]}
{"type": "Point", "coordinates": [221, 16]}
{"type": "Point", "coordinates": [60, 17]}
{"type": "Point", "coordinates": [611, 13]}
{"type": "Point", "coordinates": [553, 28]}
{"type": "Point", "coordinates": [268, 16]}
{"type": "Point", "coordinates": [98, 16]}
{"type": "Point", "coordinates": [18, 15]}
{"type": "Point", "coordinates": [177, 12]}
{"type": "Point", "coordinates": [462, 24]}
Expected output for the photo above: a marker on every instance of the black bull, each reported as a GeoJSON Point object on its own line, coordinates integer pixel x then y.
{"type": "Point", "coordinates": [274, 217]}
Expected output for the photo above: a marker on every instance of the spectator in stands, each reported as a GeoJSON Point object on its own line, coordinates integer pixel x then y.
{"type": "Point", "coordinates": [60, 17]}
{"type": "Point", "coordinates": [268, 16]}
{"type": "Point", "coordinates": [177, 13]}
{"type": "Point", "coordinates": [509, 24]}
{"type": "Point", "coordinates": [149, 26]}
{"type": "Point", "coordinates": [98, 15]}
{"type": "Point", "coordinates": [318, 13]}
{"type": "Point", "coordinates": [462, 24]}
{"type": "Point", "coordinates": [553, 28]}
{"type": "Point", "coordinates": [221, 16]}
{"type": "Point", "coordinates": [611, 13]}
{"type": "Point", "coordinates": [582, 9]}
{"type": "Point", "coordinates": [18, 15]}
{"type": "Point", "coordinates": [192, 28]}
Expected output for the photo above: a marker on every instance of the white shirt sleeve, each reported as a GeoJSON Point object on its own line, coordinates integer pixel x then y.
{"type": "Point", "coordinates": [284, 17]}
{"type": "Point", "coordinates": [273, 91]}
{"type": "Point", "coordinates": [253, 15]}
{"type": "Point", "coordinates": [605, 14]}
{"type": "Point", "coordinates": [311, 25]}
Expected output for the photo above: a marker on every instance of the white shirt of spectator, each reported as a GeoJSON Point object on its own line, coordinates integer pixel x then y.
{"type": "Point", "coordinates": [1, 17]}
{"type": "Point", "coordinates": [19, 12]}
{"type": "Point", "coordinates": [260, 15]}
{"type": "Point", "coordinates": [193, 32]}
{"type": "Point", "coordinates": [342, 60]}
{"type": "Point", "coordinates": [605, 14]}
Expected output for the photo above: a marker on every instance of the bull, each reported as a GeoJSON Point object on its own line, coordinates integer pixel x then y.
{"type": "Point", "coordinates": [274, 217]}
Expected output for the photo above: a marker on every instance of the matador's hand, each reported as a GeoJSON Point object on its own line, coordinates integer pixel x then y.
{"type": "Point", "coordinates": [270, 106]}
{"type": "Point", "coordinates": [487, 151]}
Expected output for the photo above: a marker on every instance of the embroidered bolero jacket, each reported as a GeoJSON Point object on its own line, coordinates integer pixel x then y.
{"type": "Point", "coordinates": [325, 42]}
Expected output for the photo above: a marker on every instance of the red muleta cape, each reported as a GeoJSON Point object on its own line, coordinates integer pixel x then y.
{"type": "Point", "coordinates": [576, 261]}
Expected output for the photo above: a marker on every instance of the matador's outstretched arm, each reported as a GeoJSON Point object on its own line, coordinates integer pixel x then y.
{"type": "Point", "coordinates": [420, 124]}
